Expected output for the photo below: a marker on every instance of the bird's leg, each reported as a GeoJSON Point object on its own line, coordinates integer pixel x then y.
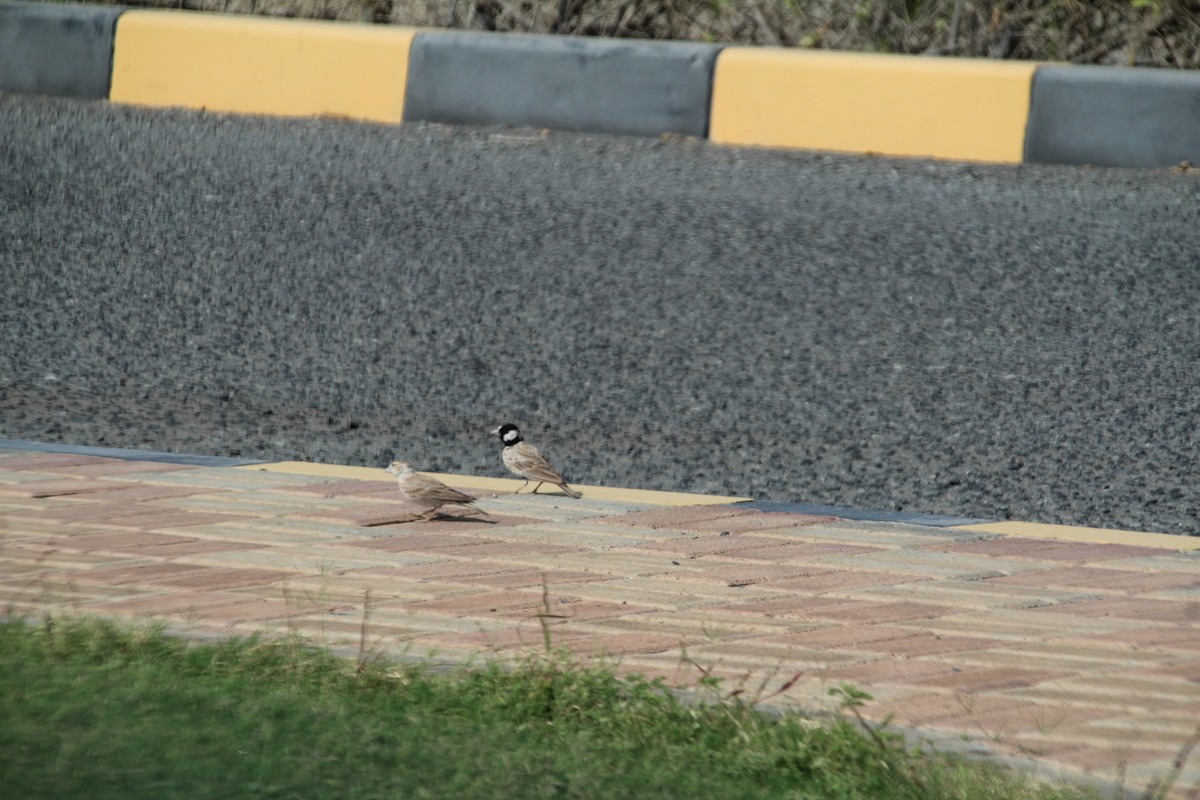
{"type": "Point", "coordinates": [429, 515]}
{"type": "Point", "coordinates": [522, 486]}
{"type": "Point", "coordinates": [537, 487]}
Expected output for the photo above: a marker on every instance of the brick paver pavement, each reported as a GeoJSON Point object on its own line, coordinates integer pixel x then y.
{"type": "Point", "coordinates": [1081, 657]}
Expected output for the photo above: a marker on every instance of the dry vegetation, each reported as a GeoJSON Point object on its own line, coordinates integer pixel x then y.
{"type": "Point", "coordinates": [1162, 33]}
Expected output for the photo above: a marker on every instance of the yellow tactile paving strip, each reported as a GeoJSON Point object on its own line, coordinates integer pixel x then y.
{"type": "Point", "coordinates": [505, 485]}
{"type": "Point", "coordinates": [1038, 530]}
{"type": "Point", "coordinates": [1081, 656]}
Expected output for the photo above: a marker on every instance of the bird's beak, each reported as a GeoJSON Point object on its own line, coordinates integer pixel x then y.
{"type": "Point", "coordinates": [495, 432]}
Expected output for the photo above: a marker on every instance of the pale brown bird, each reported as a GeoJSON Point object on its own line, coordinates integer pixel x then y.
{"type": "Point", "coordinates": [523, 459]}
{"type": "Point", "coordinates": [428, 492]}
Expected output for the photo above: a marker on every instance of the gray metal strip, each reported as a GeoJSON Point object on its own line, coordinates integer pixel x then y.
{"type": "Point", "coordinates": [127, 455]}
{"type": "Point", "coordinates": [866, 515]}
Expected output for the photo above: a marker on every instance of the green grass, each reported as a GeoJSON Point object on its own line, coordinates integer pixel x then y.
{"type": "Point", "coordinates": [91, 710]}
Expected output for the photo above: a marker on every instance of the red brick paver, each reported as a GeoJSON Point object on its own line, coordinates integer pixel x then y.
{"type": "Point", "coordinates": [1085, 654]}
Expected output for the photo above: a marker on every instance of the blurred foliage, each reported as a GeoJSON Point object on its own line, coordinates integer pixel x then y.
{"type": "Point", "coordinates": [1162, 33]}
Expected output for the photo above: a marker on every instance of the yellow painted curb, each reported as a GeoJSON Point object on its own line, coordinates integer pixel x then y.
{"type": "Point", "coordinates": [972, 109]}
{"type": "Point", "coordinates": [645, 496]}
{"type": "Point", "coordinates": [260, 66]}
{"type": "Point", "coordinates": [651, 497]}
{"type": "Point", "coordinates": [1038, 530]}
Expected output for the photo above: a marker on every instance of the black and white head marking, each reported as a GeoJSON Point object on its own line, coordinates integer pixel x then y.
{"type": "Point", "coordinates": [509, 434]}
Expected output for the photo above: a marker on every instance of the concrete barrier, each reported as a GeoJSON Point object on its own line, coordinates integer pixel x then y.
{"type": "Point", "coordinates": [566, 83]}
{"type": "Point", "coordinates": [1114, 116]}
{"type": "Point", "coordinates": [60, 50]}
{"type": "Point", "coordinates": [969, 109]}
{"type": "Point", "coordinates": [894, 105]}
{"type": "Point", "coordinates": [258, 65]}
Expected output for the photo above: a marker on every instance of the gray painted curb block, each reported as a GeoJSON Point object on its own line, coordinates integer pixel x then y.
{"type": "Point", "coordinates": [566, 83]}
{"type": "Point", "coordinates": [60, 50]}
{"type": "Point", "coordinates": [1113, 117]}
{"type": "Point", "coordinates": [861, 514]}
{"type": "Point", "coordinates": [126, 455]}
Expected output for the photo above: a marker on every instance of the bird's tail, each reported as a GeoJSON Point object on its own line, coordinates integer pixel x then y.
{"type": "Point", "coordinates": [570, 492]}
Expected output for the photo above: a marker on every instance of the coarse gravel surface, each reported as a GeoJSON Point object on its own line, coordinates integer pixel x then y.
{"type": "Point", "coordinates": [991, 341]}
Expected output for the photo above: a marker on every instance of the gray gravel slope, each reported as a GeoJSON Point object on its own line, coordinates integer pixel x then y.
{"type": "Point", "coordinates": [962, 339]}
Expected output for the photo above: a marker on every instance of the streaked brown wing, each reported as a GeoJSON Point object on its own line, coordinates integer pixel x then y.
{"type": "Point", "coordinates": [525, 459]}
{"type": "Point", "coordinates": [433, 489]}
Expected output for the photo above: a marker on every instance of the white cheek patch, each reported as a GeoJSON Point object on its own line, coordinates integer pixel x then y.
{"type": "Point", "coordinates": [511, 437]}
